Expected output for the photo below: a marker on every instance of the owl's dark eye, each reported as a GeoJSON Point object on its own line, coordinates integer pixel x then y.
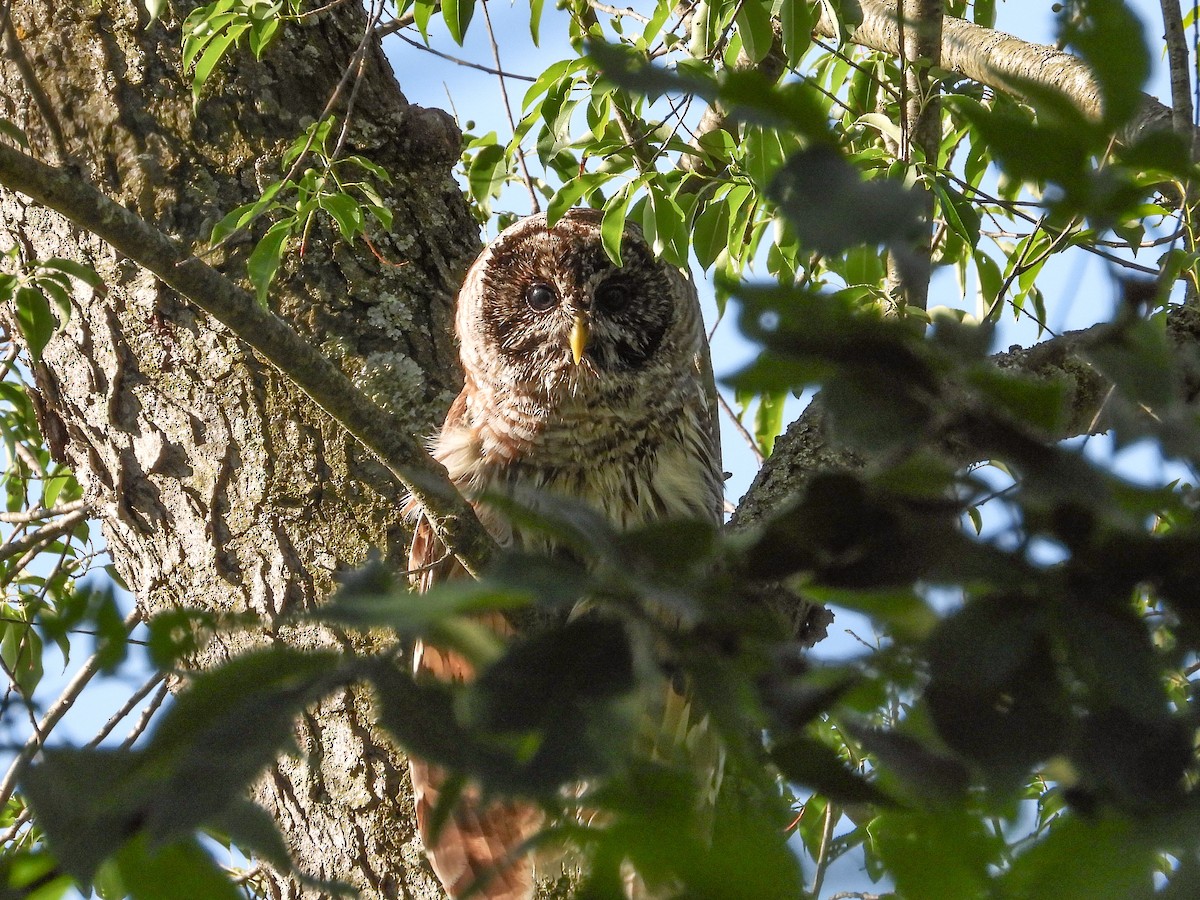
{"type": "Point", "coordinates": [541, 297]}
{"type": "Point", "coordinates": [612, 297]}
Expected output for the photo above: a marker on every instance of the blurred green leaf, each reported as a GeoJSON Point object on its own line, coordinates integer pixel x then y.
{"type": "Point", "coordinates": [818, 766]}
{"type": "Point", "coordinates": [36, 322]}
{"type": "Point", "coordinates": [796, 17]}
{"type": "Point", "coordinates": [177, 871]}
{"type": "Point", "coordinates": [945, 855]}
{"type": "Point", "coordinates": [833, 208]}
{"type": "Point", "coordinates": [1108, 35]}
{"type": "Point", "coordinates": [994, 691]}
{"type": "Point", "coordinates": [754, 25]}
{"type": "Point", "coordinates": [1081, 860]}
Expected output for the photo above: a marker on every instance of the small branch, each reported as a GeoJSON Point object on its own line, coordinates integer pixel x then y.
{"type": "Point", "coordinates": [533, 197]}
{"type": "Point", "coordinates": [10, 357]}
{"type": "Point", "coordinates": [320, 9]}
{"type": "Point", "coordinates": [43, 535]}
{"type": "Point", "coordinates": [56, 711]}
{"type": "Point", "coordinates": [823, 850]}
{"type": "Point", "coordinates": [625, 13]}
{"type": "Point", "coordinates": [400, 23]}
{"type": "Point", "coordinates": [296, 358]}
{"type": "Point", "coordinates": [357, 65]}
{"type": "Point", "coordinates": [27, 457]}
{"type": "Point", "coordinates": [18, 823]}
{"type": "Point", "coordinates": [643, 157]}
{"type": "Point", "coordinates": [41, 513]}
{"type": "Point", "coordinates": [351, 73]}
{"type": "Point", "coordinates": [741, 429]}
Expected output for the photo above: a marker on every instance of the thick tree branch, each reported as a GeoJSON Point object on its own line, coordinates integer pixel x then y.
{"type": "Point", "coordinates": [377, 429]}
{"type": "Point", "coordinates": [995, 59]}
{"type": "Point", "coordinates": [807, 448]}
{"type": "Point", "coordinates": [1180, 65]}
{"type": "Point", "coordinates": [985, 55]}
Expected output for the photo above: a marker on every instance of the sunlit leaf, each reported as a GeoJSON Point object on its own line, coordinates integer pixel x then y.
{"type": "Point", "coordinates": [457, 15]}
{"type": "Point", "coordinates": [265, 259]}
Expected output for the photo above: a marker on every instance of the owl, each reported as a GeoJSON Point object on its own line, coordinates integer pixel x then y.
{"type": "Point", "coordinates": [583, 379]}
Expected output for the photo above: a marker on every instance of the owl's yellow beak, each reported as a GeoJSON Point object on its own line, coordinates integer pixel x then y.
{"type": "Point", "coordinates": [579, 338]}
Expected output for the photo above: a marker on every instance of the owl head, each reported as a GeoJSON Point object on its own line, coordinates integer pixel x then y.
{"type": "Point", "coordinates": [544, 312]}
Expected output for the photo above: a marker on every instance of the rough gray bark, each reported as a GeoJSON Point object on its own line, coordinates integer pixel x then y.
{"type": "Point", "coordinates": [218, 484]}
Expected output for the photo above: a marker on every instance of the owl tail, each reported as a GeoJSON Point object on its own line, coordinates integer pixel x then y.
{"type": "Point", "coordinates": [675, 731]}
{"type": "Point", "coordinates": [476, 851]}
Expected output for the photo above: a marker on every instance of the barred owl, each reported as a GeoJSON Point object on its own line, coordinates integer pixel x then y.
{"type": "Point", "coordinates": [582, 379]}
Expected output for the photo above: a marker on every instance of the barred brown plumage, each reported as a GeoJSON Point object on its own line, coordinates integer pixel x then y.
{"type": "Point", "coordinates": [585, 380]}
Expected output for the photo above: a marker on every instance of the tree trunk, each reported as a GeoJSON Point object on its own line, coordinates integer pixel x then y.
{"type": "Point", "coordinates": [218, 484]}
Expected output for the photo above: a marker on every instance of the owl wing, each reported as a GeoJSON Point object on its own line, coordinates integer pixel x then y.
{"type": "Point", "coordinates": [478, 842]}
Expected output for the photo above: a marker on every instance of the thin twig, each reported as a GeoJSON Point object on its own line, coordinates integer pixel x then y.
{"type": "Point", "coordinates": [147, 714]}
{"type": "Point", "coordinates": [36, 515]}
{"type": "Point", "coordinates": [533, 197]}
{"type": "Point", "coordinates": [877, 83]}
{"type": "Point", "coordinates": [358, 64]}
{"type": "Point", "coordinates": [13, 620]}
{"type": "Point", "coordinates": [320, 9]}
{"type": "Point", "coordinates": [10, 672]}
{"type": "Point", "coordinates": [463, 62]}
{"type": "Point", "coordinates": [27, 457]}
{"type": "Point", "coordinates": [823, 850]}
{"type": "Point", "coordinates": [55, 712]}
{"type": "Point", "coordinates": [1012, 209]}
{"type": "Point", "coordinates": [18, 823]}
{"type": "Point", "coordinates": [134, 699]}
{"type": "Point", "coordinates": [352, 68]}
{"type": "Point", "coordinates": [401, 22]}
{"type": "Point", "coordinates": [742, 430]}
{"type": "Point", "coordinates": [625, 13]}
{"type": "Point", "coordinates": [10, 358]}
{"type": "Point", "coordinates": [642, 157]}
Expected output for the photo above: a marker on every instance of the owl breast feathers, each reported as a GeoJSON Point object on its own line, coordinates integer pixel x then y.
{"type": "Point", "coordinates": [586, 380]}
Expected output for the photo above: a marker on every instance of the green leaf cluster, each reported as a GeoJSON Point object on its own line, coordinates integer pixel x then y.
{"type": "Point", "coordinates": [335, 187]}
{"type": "Point", "coordinates": [210, 31]}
